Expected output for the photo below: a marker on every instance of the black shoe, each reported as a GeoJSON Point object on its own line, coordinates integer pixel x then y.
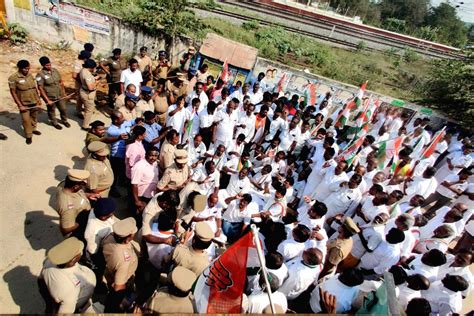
{"type": "Point", "coordinates": [29, 140]}
{"type": "Point", "coordinates": [57, 126]}
{"type": "Point", "coordinates": [37, 132]}
{"type": "Point", "coordinates": [3, 136]}
{"type": "Point", "coordinates": [66, 124]}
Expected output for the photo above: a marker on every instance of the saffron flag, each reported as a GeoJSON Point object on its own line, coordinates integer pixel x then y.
{"type": "Point", "coordinates": [350, 107]}
{"type": "Point", "coordinates": [225, 73]}
{"type": "Point", "coordinates": [432, 146]}
{"type": "Point", "coordinates": [281, 83]}
{"type": "Point", "coordinates": [220, 287]}
{"type": "Point", "coordinates": [388, 149]}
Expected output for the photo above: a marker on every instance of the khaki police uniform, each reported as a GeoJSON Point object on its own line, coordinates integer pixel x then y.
{"type": "Point", "coordinates": [194, 260]}
{"type": "Point", "coordinates": [87, 96]}
{"type": "Point", "coordinates": [164, 302]}
{"type": "Point", "coordinates": [77, 67]}
{"type": "Point", "coordinates": [161, 71]}
{"type": "Point", "coordinates": [102, 176]}
{"type": "Point", "coordinates": [25, 88]}
{"type": "Point", "coordinates": [115, 70]}
{"type": "Point", "coordinates": [50, 81]}
{"type": "Point", "coordinates": [121, 259]}
{"type": "Point", "coordinates": [174, 177]}
{"type": "Point", "coordinates": [69, 205]}
{"type": "Point", "coordinates": [166, 155]}
{"type": "Point", "coordinates": [91, 137]}
{"type": "Point", "coordinates": [69, 288]}
{"type": "Point", "coordinates": [177, 92]}
{"type": "Point", "coordinates": [338, 249]}
{"type": "Point", "coordinates": [161, 107]}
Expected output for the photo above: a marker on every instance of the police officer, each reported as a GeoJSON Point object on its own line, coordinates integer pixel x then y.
{"type": "Point", "coordinates": [77, 67]}
{"type": "Point", "coordinates": [88, 91]}
{"type": "Point", "coordinates": [195, 256]}
{"type": "Point", "coordinates": [70, 285]}
{"type": "Point", "coordinates": [163, 67]}
{"type": "Point", "coordinates": [178, 174]}
{"type": "Point", "coordinates": [51, 88]}
{"type": "Point", "coordinates": [113, 67]}
{"type": "Point", "coordinates": [72, 203]}
{"type": "Point", "coordinates": [175, 298]}
{"type": "Point", "coordinates": [25, 94]}
{"type": "Point", "coordinates": [121, 258]}
{"type": "Point", "coordinates": [101, 173]}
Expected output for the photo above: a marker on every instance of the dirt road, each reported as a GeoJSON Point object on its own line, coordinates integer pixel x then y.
{"type": "Point", "coordinates": [30, 174]}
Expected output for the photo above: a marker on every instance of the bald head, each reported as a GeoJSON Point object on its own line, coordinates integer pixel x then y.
{"type": "Point", "coordinates": [379, 177]}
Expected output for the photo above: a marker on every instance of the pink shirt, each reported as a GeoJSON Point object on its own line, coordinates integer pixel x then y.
{"type": "Point", "coordinates": [133, 154]}
{"type": "Point", "coordinates": [145, 176]}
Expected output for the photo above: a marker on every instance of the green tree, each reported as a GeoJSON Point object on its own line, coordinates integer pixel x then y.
{"type": "Point", "coordinates": [450, 29]}
{"type": "Point", "coordinates": [168, 19]}
{"type": "Point", "coordinates": [411, 11]}
{"type": "Point", "coordinates": [450, 88]}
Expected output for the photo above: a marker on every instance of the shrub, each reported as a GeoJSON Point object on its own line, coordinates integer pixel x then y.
{"type": "Point", "coordinates": [18, 34]}
{"type": "Point", "coordinates": [410, 56]}
{"type": "Point", "coordinates": [251, 25]}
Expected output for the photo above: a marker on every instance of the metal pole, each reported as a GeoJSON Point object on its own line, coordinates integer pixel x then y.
{"type": "Point", "coordinates": [332, 30]}
{"type": "Point", "coordinates": [261, 258]}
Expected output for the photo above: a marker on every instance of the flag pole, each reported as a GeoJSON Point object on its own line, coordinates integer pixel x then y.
{"type": "Point", "coordinates": [262, 265]}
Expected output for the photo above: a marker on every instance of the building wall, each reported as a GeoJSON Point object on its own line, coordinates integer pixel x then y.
{"type": "Point", "coordinates": [121, 35]}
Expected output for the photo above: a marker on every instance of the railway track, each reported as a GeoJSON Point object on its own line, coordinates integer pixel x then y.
{"type": "Point", "coordinates": [359, 34]}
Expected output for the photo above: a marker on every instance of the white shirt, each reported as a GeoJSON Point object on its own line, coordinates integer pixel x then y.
{"type": "Point", "coordinates": [465, 272]}
{"type": "Point", "coordinates": [408, 243]}
{"type": "Point", "coordinates": [215, 212]}
{"type": "Point", "coordinates": [341, 200]}
{"type": "Point", "coordinates": [277, 208]}
{"type": "Point", "coordinates": [418, 267]}
{"type": "Point", "coordinates": [257, 302]}
{"type": "Point", "coordinates": [128, 77]}
{"type": "Point", "coordinates": [275, 126]}
{"type": "Point", "coordinates": [202, 97]}
{"type": "Point", "coordinates": [255, 98]}
{"type": "Point", "coordinates": [345, 295]}
{"type": "Point", "coordinates": [225, 126]}
{"type": "Point", "coordinates": [422, 186]}
{"type": "Point", "coordinates": [381, 259]}
{"type": "Point", "coordinates": [329, 183]}
{"type": "Point", "coordinates": [289, 136]}
{"type": "Point", "coordinates": [234, 215]}
{"type": "Point", "coordinates": [249, 129]}
{"type": "Point", "coordinates": [451, 179]}
{"type": "Point", "coordinates": [370, 211]}
{"type": "Point", "coordinates": [156, 252]}
{"type": "Point", "coordinates": [443, 301]}
{"type": "Point", "coordinates": [374, 235]}
{"type": "Point", "coordinates": [200, 174]}
{"type": "Point", "coordinates": [406, 295]}
{"type": "Point", "coordinates": [96, 231]}
{"type": "Point", "coordinates": [300, 277]}
{"type": "Point", "coordinates": [205, 119]}
{"type": "Point", "coordinates": [178, 119]}
{"type": "Point", "coordinates": [194, 153]}
{"type": "Point", "coordinates": [457, 159]}
{"type": "Point", "coordinates": [291, 249]}
{"type": "Point", "coordinates": [238, 95]}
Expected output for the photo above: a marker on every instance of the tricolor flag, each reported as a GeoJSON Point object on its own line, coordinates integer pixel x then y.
{"type": "Point", "coordinates": [388, 149]}
{"type": "Point", "coordinates": [350, 107]}
{"type": "Point", "coordinates": [432, 146]}
{"type": "Point", "coordinates": [220, 287]}
{"type": "Point", "coordinates": [281, 83]}
{"type": "Point", "coordinates": [225, 73]}
{"type": "Point", "coordinates": [310, 94]}
{"type": "Point", "coordinates": [350, 153]}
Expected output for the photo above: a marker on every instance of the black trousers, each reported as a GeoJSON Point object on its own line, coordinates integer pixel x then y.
{"type": "Point", "coordinates": [118, 166]}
